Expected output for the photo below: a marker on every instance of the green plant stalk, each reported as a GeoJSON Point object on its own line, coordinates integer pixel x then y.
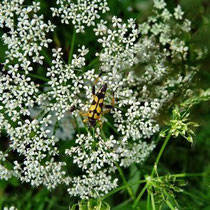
{"type": "Point", "coordinates": [153, 201]}
{"type": "Point", "coordinates": [110, 125]}
{"type": "Point", "coordinates": [94, 61]}
{"type": "Point", "coordinates": [125, 182]}
{"type": "Point", "coordinates": [148, 200]}
{"type": "Point", "coordinates": [195, 197]}
{"type": "Point", "coordinates": [122, 188]}
{"type": "Point", "coordinates": [35, 76]}
{"type": "Point", "coordinates": [55, 127]}
{"type": "Point", "coordinates": [160, 153]}
{"type": "Point", "coordinates": [39, 77]}
{"type": "Point", "coordinates": [76, 123]}
{"type": "Point", "coordinates": [170, 205]}
{"type": "Point", "coordinates": [188, 175]}
{"type": "Point", "coordinates": [139, 196]}
{"type": "Point", "coordinates": [153, 170]}
{"type": "Point", "coordinates": [172, 199]}
{"type": "Point", "coordinates": [72, 47]}
{"type": "Point", "coordinates": [144, 181]}
{"type": "Point", "coordinates": [46, 56]}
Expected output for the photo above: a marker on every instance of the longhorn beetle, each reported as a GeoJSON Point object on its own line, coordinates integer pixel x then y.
{"type": "Point", "coordinates": [96, 109]}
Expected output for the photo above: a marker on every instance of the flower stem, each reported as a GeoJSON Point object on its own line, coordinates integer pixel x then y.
{"type": "Point", "coordinates": [36, 76]}
{"type": "Point", "coordinates": [139, 196]}
{"type": "Point", "coordinates": [39, 77]}
{"type": "Point", "coordinates": [169, 205]}
{"type": "Point", "coordinates": [122, 188]}
{"type": "Point", "coordinates": [125, 182]}
{"type": "Point", "coordinates": [153, 201]}
{"type": "Point", "coordinates": [144, 181]}
{"type": "Point", "coordinates": [46, 56]}
{"type": "Point", "coordinates": [148, 200]}
{"type": "Point", "coordinates": [188, 175]}
{"type": "Point", "coordinates": [153, 170]}
{"type": "Point", "coordinates": [160, 153]}
{"type": "Point", "coordinates": [72, 47]}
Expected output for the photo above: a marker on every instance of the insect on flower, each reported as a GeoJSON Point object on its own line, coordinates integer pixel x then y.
{"type": "Point", "coordinates": [96, 109]}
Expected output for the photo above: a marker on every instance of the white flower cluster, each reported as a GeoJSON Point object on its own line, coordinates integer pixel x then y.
{"type": "Point", "coordinates": [10, 208]}
{"type": "Point", "coordinates": [92, 156]}
{"type": "Point", "coordinates": [92, 185]}
{"type": "Point", "coordinates": [118, 48]}
{"type": "Point", "coordinates": [31, 141]}
{"type": "Point", "coordinates": [142, 67]}
{"type": "Point", "coordinates": [25, 39]}
{"type": "Point", "coordinates": [82, 13]}
{"type": "Point", "coordinates": [17, 93]}
{"type": "Point", "coordinates": [163, 52]}
{"type": "Point", "coordinates": [4, 172]}
{"type": "Point", "coordinates": [65, 83]}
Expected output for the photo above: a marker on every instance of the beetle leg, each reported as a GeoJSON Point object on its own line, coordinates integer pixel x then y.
{"type": "Point", "coordinates": [83, 114]}
{"type": "Point", "coordinates": [105, 111]}
{"type": "Point", "coordinates": [85, 120]}
{"type": "Point", "coordinates": [113, 103]}
{"type": "Point", "coordinates": [100, 123]}
{"type": "Point", "coordinates": [113, 100]}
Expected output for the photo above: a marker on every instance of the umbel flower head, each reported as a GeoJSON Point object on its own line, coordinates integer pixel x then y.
{"type": "Point", "coordinates": [141, 65]}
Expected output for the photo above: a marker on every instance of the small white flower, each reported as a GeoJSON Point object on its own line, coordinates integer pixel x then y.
{"type": "Point", "coordinates": [82, 13]}
{"type": "Point", "coordinates": [159, 4]}
{"type": "Point", "coordinates": [178, 13]}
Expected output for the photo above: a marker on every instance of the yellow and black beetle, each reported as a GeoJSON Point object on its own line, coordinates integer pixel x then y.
{"type": "Point", "coordinates": [96, 108]}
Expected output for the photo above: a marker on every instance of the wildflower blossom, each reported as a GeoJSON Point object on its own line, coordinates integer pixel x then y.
{"type": "Point", "coordinates": [159, 4]}
{"type": "Point", "coordinates": [178, 13]}
{"type": "Point", "coordinates": [82, 13]}
{"type": "Point", "coordinates": [10, 208]}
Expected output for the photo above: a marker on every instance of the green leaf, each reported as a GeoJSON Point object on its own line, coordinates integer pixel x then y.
{"type": "Point", "coordinates": [91, 204]}
{"type": "Point", "coordinates": [134, 176]}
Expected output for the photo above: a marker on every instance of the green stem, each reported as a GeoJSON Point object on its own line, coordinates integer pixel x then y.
{"type": "Point", "coordinates": [110, 125]}
{"type": "Point", "coordinates": [188, 175]}
{"type": "Point", "coordinates": [125, 182]}
{"type": "Point", "coordinates": [94, 61]}
{"type": "Point", "coordinates": [35, 76]}
{"type": "Point", "coordinates": [76, 123]}
{"type": "Point", "coordinates": [153, 201]}
{"type": "Point", "coordinates": [55, 127]}
{"type": "Point", "coordinates": [148, 200]}
{"type": "Point", "coordinates": [153, 170]}
{"type": "Point", "coordinates": [195, 197]}
{"type": "Point", "coordinates": [39, 77]}
{"type": "Point", "coordinates": [170, 205]}
{"type": "Point", "coordinates": [72, 47]}
{"type": "Point", "coordinates": [160, 153]}
{"type": "Point", "coordinates": [122, 188]}
{"type": "Point", "coordinates": [144, 181]}
{"type": "Point", "coordinates": [48, 59]}
{"type": "Point", "coordinates": [139, 196]}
